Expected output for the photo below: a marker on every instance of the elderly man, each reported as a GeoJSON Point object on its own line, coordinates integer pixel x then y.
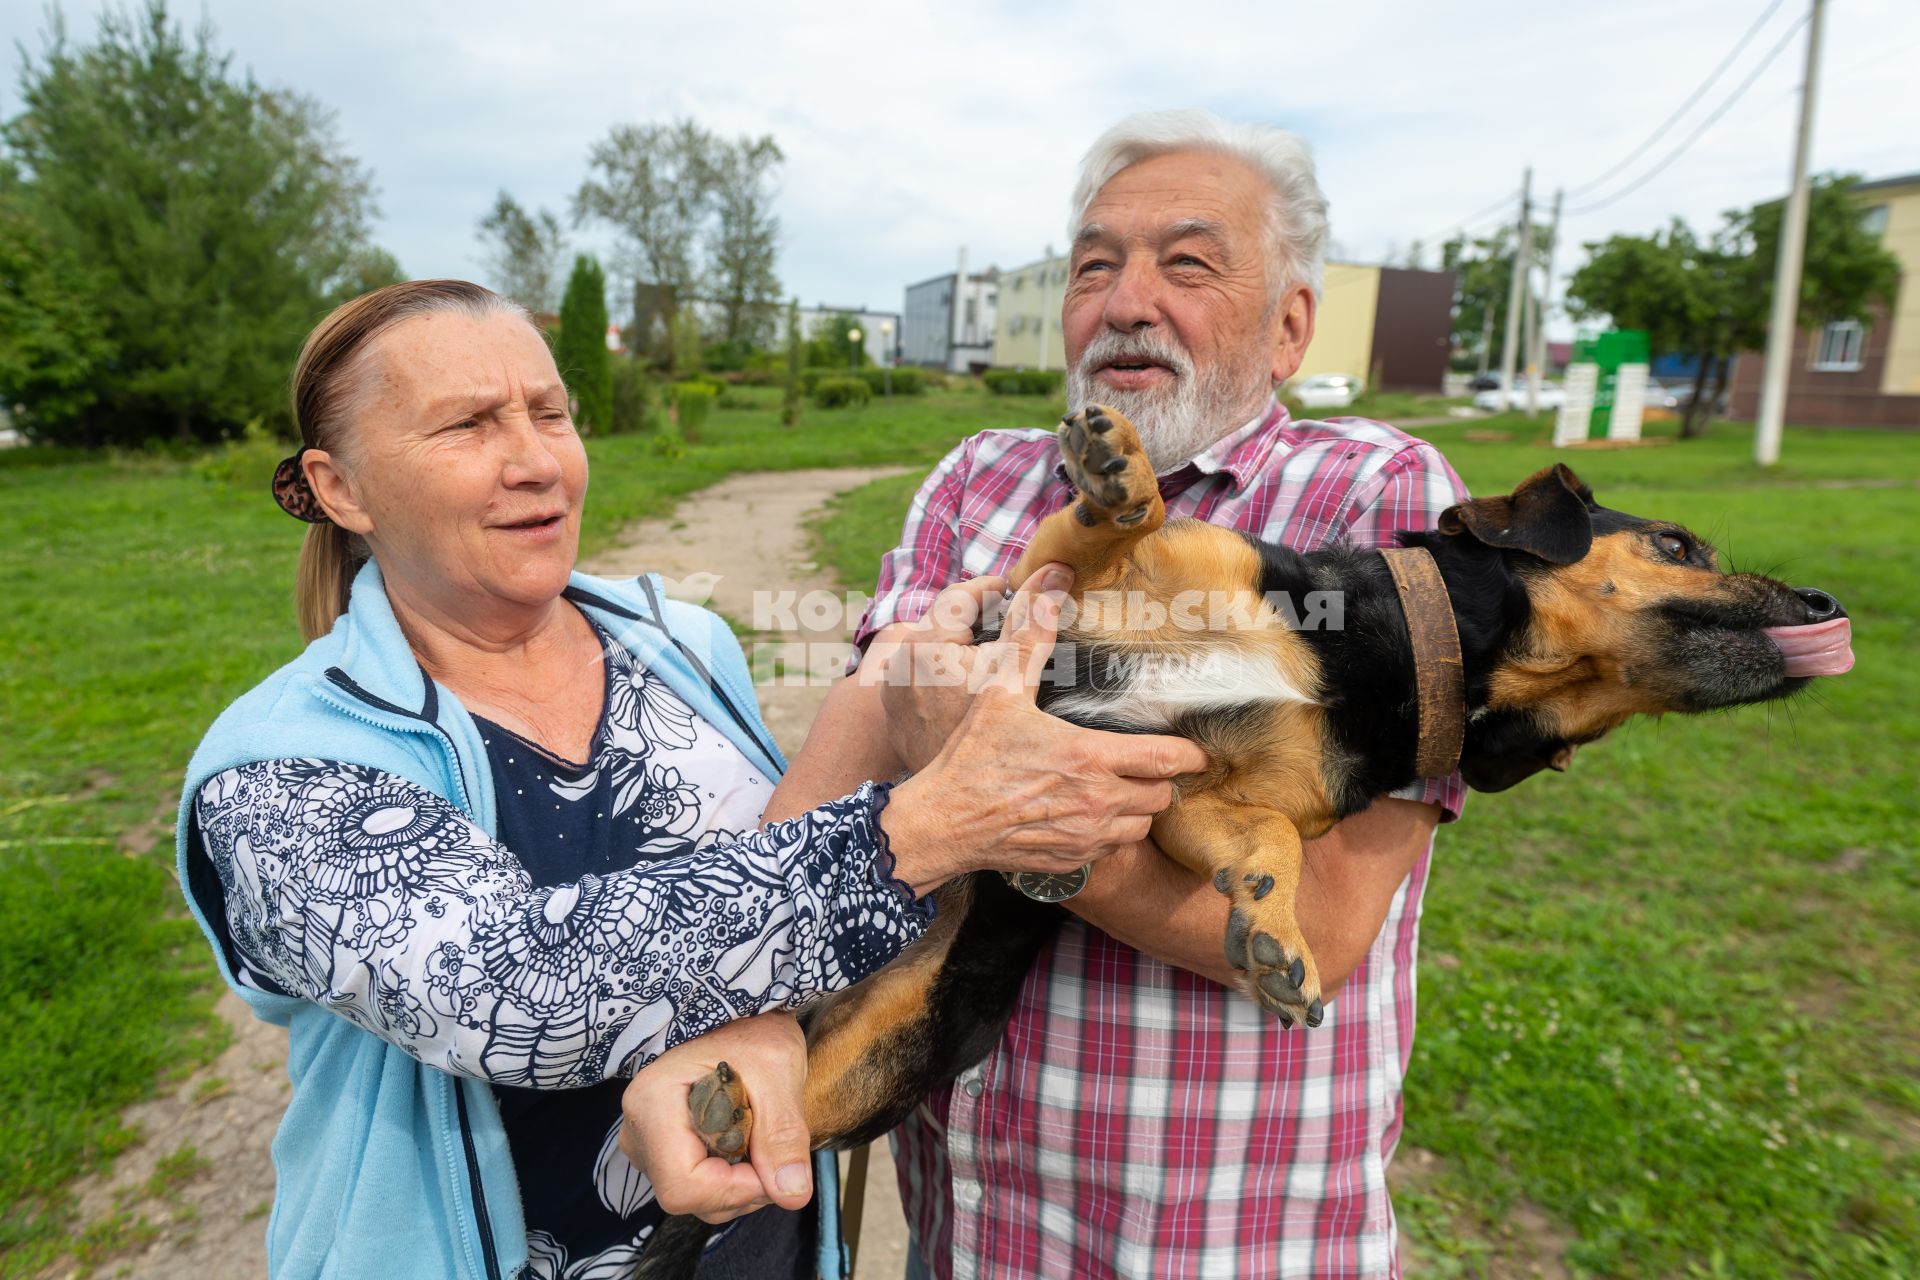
{"type": "Point", "coordinates": [1140, 1117]}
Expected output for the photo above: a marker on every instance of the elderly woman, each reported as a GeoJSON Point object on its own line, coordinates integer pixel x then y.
{"type": "Point", "coordinates": [493, 841]}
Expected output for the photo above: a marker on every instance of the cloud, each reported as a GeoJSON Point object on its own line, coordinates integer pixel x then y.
{"type": "Point", "coordinates": [911, 130]}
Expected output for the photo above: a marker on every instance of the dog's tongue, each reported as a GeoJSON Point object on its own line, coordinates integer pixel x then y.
{"type": "Point", "coordinates": [1821, 649]}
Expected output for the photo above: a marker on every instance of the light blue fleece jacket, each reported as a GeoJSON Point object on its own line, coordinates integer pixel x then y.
{"type": "Point", "coordinates": [386, 1167]}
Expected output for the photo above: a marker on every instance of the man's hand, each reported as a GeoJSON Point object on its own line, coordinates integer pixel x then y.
{"type": "Point", "coordinates": [657, 1134]}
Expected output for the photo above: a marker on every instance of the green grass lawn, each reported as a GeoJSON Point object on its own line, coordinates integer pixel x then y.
{"type": "Point", "coordinates": [1735, 896]}
{"type": "Point", "coordinates": [1671, 1004]}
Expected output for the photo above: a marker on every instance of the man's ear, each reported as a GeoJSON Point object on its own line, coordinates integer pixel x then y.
{"type": "Point", "coordinates": [1548, 516]}
{"type": "Point", "coordinates": [330, 484]}
{"type": "Point", "coordinates": [1292, 331]}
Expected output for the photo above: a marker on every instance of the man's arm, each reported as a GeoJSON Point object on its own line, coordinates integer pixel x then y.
{"type": "Point", "coordinates": [1155, 905]}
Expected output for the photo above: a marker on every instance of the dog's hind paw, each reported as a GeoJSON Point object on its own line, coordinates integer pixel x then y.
{"type": "Point", "coordinates": [1268, 950]}
{"type": "Point", "coordinates": [721, 1114]}
{"type": "Point", "coordinates": [1108, 466]}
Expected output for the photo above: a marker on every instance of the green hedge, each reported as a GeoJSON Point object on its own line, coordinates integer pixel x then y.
{"type": "Point", "coordinates": [907, 381]}
{"type": "Point", "coordinates": [838, 393]}
{"type": "Point", "coordinates": [1024, 382]}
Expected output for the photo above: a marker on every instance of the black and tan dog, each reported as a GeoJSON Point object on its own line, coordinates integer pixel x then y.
{"type": "Point", "coordinates": [1523, 627]}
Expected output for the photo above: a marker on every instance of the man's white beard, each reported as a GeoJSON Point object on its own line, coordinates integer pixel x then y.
{"type": "Point", "coordinates": [1178, 421]}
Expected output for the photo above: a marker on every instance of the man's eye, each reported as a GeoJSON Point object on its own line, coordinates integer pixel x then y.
{"type": "Point", "coordinates": [1674, 545]}
{"type": "Point", "coordinates": [1095, 265]}
{"type": "Point", "coordinates": [1187, 260]}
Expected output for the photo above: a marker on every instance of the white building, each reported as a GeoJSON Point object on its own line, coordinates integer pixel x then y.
{"type": "Point", "coordinates": [948, 321]}
{"type": "Point", "coordinates": [879, 330]}
{"type": "Point", "coordinates": [1026, 331]}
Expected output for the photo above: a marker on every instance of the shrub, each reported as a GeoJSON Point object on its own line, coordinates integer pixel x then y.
{"type": "Point", "coordinates": [692, 402]}
{"type": "Point", "coordinates": [636, 402]}
{"type": "Point", "coordinates": [906, 382]}
{"type": "Point", "coordinates": [1024, 382]}
{"type": "Point", "coordinates": [839, 393]}
{"type": "Point", "coordinates": [247, 462]}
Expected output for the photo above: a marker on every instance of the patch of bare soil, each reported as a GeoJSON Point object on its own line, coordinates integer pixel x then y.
{"type": "Point", "coordinates": [1529, 1245]}
{"type": "Point", "coordinates": [190, 1200]}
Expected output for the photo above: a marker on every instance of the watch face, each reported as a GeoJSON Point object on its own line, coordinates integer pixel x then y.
{"type": "Point", "coordinates": [1044, 886]}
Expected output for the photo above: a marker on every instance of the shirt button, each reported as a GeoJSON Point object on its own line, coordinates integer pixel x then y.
{"type": "Point", "coordinates": [973, 1088]}
{"type": "Point", "coordinates": [968, 1192]}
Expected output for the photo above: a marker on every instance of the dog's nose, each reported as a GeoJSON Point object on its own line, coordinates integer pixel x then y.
{"type": "Point", "coordinates": [1820, 605]}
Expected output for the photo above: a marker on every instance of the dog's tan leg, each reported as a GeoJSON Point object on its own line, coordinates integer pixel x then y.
{"type": "Point", "coordinates": [1119, 502]}
{"type": "Point", "coordinates": [1253, 856]}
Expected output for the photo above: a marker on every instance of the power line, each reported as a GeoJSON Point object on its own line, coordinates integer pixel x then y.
{"type": "Point", "coordinates": [1684, 107]}
{"type": "Point", "coordinates": [1705, 125]}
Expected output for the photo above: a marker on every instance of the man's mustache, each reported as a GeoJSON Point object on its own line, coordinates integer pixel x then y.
{"type": "Point", "coordinates": [1123, 348]}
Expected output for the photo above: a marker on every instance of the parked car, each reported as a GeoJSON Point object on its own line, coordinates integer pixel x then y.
{"type": "Point", "coordinates": [1484, 382]}
{"type": "Point", "coordinates": [1498, 401]}
{"type": "Point", "coordinates": [1326, 391]}
{"type": "Point", "coordinates": [1662, 396]}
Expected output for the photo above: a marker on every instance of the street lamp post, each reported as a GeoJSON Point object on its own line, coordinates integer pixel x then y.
{"type": "Point", "coordinates": [886, 356]}
{"type": "Point", "coordinates": [853, 350]}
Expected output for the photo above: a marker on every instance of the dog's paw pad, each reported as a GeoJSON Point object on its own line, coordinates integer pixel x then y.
{"type": "Point", "coordinates": [1276, 964]}
{"type": "Point", "coordinates": [721, 1114]}
{"type": "Point", "coordinates": [1107, 464]}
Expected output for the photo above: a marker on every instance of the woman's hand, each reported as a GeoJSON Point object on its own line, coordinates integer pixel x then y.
{"type": "Point", "coordinates": [1013, 788]}
{"type": "Point", "coordinates": [770, 1056]}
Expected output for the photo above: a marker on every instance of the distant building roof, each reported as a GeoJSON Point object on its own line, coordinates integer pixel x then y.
{"type": "Point", "coordinates": [1906, 180]}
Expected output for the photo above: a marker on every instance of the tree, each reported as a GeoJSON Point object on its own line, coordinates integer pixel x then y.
{"type": "Point", "coordinates": [525, 253]}
{"type": "Point", "coordinates": [203, 222]}
{"type": "Point", "coordinates": [1710, 297]}
{"type": "Point", "coordinates": [654, 184]}
{"type": "Point", "coordinates": [744, 239]}
{"type": "Point", "coordinates": [53, 352]}
{"type": "Point", "coordinates": [1483, 281]}
{"type": "Point", "coordinates": [694, 210]}
{"type": "Point", "coordinates": [790, 403]}
{"type": "Point", "coordinates": [829, 347]}
{"type": "Point", "coordinates": [581, 351]}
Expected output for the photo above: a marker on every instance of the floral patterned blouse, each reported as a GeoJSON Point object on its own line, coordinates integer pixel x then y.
{"type": "Point", "coordinates": [628, 903]}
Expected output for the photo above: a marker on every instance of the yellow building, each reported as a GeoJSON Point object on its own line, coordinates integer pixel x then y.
{"type": "Point", "coordinates": [1372, 322]}
{"type": "Point", "coordinates": [1858, 372]}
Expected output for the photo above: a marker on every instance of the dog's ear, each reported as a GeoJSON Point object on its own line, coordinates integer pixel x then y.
{"type": "Point", "coordinates": [1505, 748]}
{"type": "Point", "coordinates": [1549, 516]}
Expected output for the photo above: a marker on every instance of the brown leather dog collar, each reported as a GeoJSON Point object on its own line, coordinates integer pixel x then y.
{"type": "Point", "coordinates": [1438, 673]}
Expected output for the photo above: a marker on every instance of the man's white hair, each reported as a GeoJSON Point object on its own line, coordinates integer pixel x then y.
{"type": "Point", "coordinates": [1297, 215]}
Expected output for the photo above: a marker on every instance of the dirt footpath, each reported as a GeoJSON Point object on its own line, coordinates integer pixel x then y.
{"type": "Point", "coordinates": [190, 1201]}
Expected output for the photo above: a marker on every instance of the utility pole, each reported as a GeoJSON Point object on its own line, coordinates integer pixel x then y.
{"type": "Point", "coordinates": [1509, 350]}
{"type": "Point", "coordinates": [1537, 344]}
{"type": "Point", "coordinates": [1786, 276]}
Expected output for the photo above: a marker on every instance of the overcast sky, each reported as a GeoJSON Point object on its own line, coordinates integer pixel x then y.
{"type": "Point", "coordinates": [911, 130]}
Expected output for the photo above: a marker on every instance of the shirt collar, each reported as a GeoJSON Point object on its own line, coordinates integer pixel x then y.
{"type": "Point", "coordinates": [1241, 453]}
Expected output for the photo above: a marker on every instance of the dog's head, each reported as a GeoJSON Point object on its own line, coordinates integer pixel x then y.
{"type": "Point", "coordinates": [1623, 616]}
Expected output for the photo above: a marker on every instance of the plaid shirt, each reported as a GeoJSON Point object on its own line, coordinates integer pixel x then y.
{"type": "Point", "coordinates": [1137, 1119]}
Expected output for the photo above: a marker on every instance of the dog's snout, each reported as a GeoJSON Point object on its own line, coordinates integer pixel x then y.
{"type": "Point", "coordinates": [1820, 605]}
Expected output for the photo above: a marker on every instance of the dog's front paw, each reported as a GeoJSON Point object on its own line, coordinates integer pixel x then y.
{"type": "Point", "coordinates": [1266, 946]}
{"type": "Point", "coordinates": [721, 1114]}
{"type": "Point", "coordinates": [1108, 466]}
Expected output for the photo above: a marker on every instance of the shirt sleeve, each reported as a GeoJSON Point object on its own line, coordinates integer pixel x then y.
{"type": "Point", "coordinates": [377, 899]}
{"type": "Point", "coordinates": [1409, 492]}
{"type": "Point", "coordinates": [927, 558]}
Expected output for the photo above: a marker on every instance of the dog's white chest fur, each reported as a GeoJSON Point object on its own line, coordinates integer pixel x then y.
{"type": "Point", "coordinates": [1150, 691]}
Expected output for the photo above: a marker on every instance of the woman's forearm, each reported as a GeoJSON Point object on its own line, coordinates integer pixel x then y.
{"type": "Point", "coordinates": [439, 942]}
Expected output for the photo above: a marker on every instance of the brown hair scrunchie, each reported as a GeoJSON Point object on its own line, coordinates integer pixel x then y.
{"type": "Point", "coordinates": [294, 494]}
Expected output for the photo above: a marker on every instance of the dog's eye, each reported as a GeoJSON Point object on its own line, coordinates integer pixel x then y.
{"type": "Point", "coordinates": [1674, 545]}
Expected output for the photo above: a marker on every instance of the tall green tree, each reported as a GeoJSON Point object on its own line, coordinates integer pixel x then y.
{"type": "Point", "coordinates": [526, 253]}
{"type": "Point", "coordinates": [206, 221]}
{"type": "Point", "coordinates": [53, 350]}
{"type": "Point", "coordinates": [695, 214]}
{"type": "Point", "coordinates": [744, 239]}
{"type": "Point", "coordinates": [828, 345]}
{"type": "Point", "coordinates": [1710, 296]}
{"type": "Point", "coordinates": [790, 401]}
{"type": "Point", "coordinates": [1483, 279]}
{"type": "Point", "coordinates": [581, 350]}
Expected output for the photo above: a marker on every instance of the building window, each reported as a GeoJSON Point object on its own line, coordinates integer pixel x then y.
{"type": "Point", "coordinates": [1873, 220]}
{"type": "Point", "coordinates": [1841, 345]}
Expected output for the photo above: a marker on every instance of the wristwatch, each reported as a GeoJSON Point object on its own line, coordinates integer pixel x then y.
{"type": "Point", "coordinates": [1048, 886]}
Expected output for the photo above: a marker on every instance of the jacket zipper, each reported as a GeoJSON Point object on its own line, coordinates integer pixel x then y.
{"type": "Point", "coordinates": [476, 1188]}
{"type": "Point", "coordinates": [479, 1192]}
